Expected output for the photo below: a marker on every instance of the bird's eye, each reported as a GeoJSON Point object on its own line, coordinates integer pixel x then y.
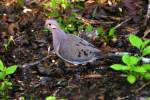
{"type": "Point", "coordinates": [49, 24]}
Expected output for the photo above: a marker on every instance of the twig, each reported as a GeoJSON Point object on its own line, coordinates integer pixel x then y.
{"type": "Point", "coordinates": [122, 23]}
{"type": "Point", "coordinates": [90, 21]}
{"type": "Point", "coordinates": [148, 13]}
{"type": "Point", "coordinates": [34, 63]}
{"type": "Point", "coordinates": [146, 33]}
{"type": "Point", "coordinates": [144, 85]}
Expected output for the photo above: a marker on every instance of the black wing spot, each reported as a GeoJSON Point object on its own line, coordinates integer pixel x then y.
{"type": "Point", "coordinates": [79, 54]}
{"type": "Point", "coordinates": [85, 53]}
{"type": "Point", "coordinates": [81, 39]}
{"type": "Point", "coordinates": [77, 45]}
{"type": "Point", "coordinates": [82, 43]}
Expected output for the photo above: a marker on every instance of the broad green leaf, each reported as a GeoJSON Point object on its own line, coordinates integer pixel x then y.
{"type": "Point", "coordinates": [51, 98]}
{"type": "Point", "coordinates": [100, 31]}
{"type": "Point", "coordinates": [112, 31]}
{"type": "Point", "coordinates": [131, 79]}
{"type": "Point", "coordinates": [1, 66]}
{"type": "Point", "coordinates": [2, 75]}
{"type": "Point", "coordinates": [89, 28]}
{"type": "Point", "coordinates": [146, 51]}
{"type": "Point", "coordinates": [133, 60]}
{"type": "Point", "coordinates": [146, 66]}
{"type": "Point", "coordinates": [147, 75]}
{"type": "Point", "coordinates": [147, 98]}
{"type": "Point", "coordinates": [11, 69]}
{"type": "Point", "coordinates": [62, 1]}
{"type": "Point", "coordinates": [119, 67]}
{"type": "Point", "coordinates": [126, 59]}
{"type": "Point", "coordinates": [130, 60]}
{"type": "Point", "coordinates": [145, 43]}
{"type": "Point", "coordinates": [139, 69]}
{"type": "Point", "coordinates": [135, 41]}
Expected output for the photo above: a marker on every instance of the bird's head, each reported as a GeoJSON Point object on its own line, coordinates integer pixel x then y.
{"type": "Point", "coordinates": [51, 24]}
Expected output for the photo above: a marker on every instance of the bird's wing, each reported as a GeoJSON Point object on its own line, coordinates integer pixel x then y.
{"type": "Point", "coordinates": [77, 38]}
{"type": "Point", "coordinates": [76, 50]}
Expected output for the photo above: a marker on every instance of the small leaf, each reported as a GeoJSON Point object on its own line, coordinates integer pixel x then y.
{"type": "Point", "coordinates": [130, 60]}
{"type": "Point", "coordinates": [45, 30]}
{"type": "Point", "coordinates": [112, 31]}
{"type": "Point", "coordinates": [51, 98]}
{"type": "Point", "coordinates": [1, 66]}
{"type": "Point", "coordinates": [53, 4]}
{"type": "Point", "coordinates": [146, 51]}
{"type": "Point", "coordinates": [131, 79]}
{"type": "Point", "coordinates": [8, 83]}
{"type": "Point", "coordinates": [89, 28]}
{"type": "Point", "coordinates": [147, 75]}
{"type": "Point", "coordinates": [2, 75]}
{"type": "Point", "coordinates": [146, 66]}
{"type": "Point", "coordinates": [145, 43]}
{"type": "Point", "coordinates": [11, 69]}
{"type": "Point", "coordinates": [135, 41]}
{"type": "Point", "coordinates": [53, 14]}
{"type": "Point", "coordinates": [126, 59]}
{"type": "Point", "coordinates": [133, 60]}
{"type": "Point", "coordinates": [147, 98]}
{"type": "Point", "coordinates": [100, 31]}
{"type": "Point", "coordinates": [119, 67]}
{"type": "Point", "coordinates": [139, 69]}
{"type": "Point", "coordinates": [2, 86]}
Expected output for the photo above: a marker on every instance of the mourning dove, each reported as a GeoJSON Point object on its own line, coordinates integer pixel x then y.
{"type": "Point", "coordinates": [72, 48]}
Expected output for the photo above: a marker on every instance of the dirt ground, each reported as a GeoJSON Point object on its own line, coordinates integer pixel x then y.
{"type": "Point", "coordinates": [39, 77]}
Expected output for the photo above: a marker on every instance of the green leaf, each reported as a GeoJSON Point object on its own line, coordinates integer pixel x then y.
{"type": "Point", "coordinates": [2, 75]}
{"type": "Point", "coordinates": [100, 31]}
{"type": "Point", "coordinates": [45, 30]}
{"type": "Point", "coordinates": [145, 43]}
{"type": "Point", "coordinates": [147, 75]}
{"type": "Point", "coordinates": [130, 60]}
{"type": "Point", "coordinates": [53, 4]}
{"type": "Point", "coordinates": [126, 59]}
{"type": "Point", "coordinates": [146, 51]}
{"type": "Point", "coordinates": [89, 28]}
{"type": "Point", "coordinates": [139, 69]}
{"type": "Point", "coordinates": [51, 98]}
{"type": "Point", "coordinates": [112, 31]}
{"type": "Point", "coordinates": [8, 83]}
{"type": "Point", "coordinates": [131, 79]}
{"type": "Point", "coordinates": [53, 14]}
{"type": "Point", "coordinates": [135, 41]}
{"type": "Point", "coordinates": [2, 86]}
{"type": "Point", "coordinates": [1, 66]}
{"type": "Point", "coordinates": [147, 98]}
{"type": "Point", "coordinates": [11, 69]}
{"type": "Point", "coordinates": [119, 67]}
{"type": "Point", "coordinates": [146, 66]}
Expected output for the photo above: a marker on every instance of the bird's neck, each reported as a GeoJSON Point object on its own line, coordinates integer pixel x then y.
{"type": "Point", "coordinates": [58, 35]}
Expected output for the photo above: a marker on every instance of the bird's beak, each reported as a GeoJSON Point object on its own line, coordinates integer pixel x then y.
{"type": "Point", "coordinates": [53, 26]}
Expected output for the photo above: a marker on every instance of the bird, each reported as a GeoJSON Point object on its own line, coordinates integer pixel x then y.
{"type": "Point", "coordinates": [72, 48]}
